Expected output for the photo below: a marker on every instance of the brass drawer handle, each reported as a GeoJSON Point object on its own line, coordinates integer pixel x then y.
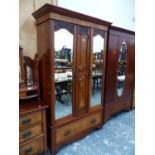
{"type": "Point", "coordinates": [28, 150]}
{"type": "Point", "coordinates": [26, 121]}
{"type": "Point", "coordinates": [27, 134]}
{"type": "Point", "coordinates": [68, 132]}
{"type": "Point", "coordinates": [93, 120]}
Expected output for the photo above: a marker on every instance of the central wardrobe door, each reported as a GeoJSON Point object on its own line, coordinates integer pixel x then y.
{"type": "Point", "coordinates": [82, 68]}
{"type": "Point", "coordinates": [63, 67]}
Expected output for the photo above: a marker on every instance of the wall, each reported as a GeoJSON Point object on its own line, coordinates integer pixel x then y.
{"type": "Point", "coordinates": [27, 27]}
{"type": "Point", "coordinates": [119, 12]}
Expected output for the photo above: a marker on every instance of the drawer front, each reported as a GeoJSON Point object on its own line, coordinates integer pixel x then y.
{"type": "Point", "coordinates": [29, 119]}
{"type": "Point", "coordinates": [22, 94]}
{"type": "Point", "coordinates": [30, 133]}
{"type": "Point", "coordinates": [32, 148]}
{"type": "Point", "coordinates": [66, 132]}
{"type": "Point", "coordinates": [94, 120]}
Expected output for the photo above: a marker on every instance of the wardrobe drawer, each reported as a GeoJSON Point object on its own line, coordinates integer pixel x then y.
{"type": "Point", "coordinates": [33, 148]}
{"type": "Point", "coordinates": [29, 119]}
{"type": "Point", "coordinates": [94, 120]}
{"type": "Point", "coordinates": [30, 133]}
{"type": "Point", "coordinates": [66, 132]}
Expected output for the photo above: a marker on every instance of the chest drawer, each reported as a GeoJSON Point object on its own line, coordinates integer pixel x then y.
{"type": "Point", "coordinates": [29, 119]}
{"type": "Point", "coordinates": [30, 133]}
{"type": "Point", "coordinates": [32, 148]}
{"type": "Point", "coordinates": [66, 132]}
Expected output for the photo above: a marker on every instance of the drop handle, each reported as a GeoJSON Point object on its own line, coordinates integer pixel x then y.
{"type": "Point", "coordinates": [27, 134]}
{"type": "Point", "coordinates": [68, 132]}
{"type": "Point", "coordinates": [93, 120]}
{"type": "Point", "coordinates": [28, 150]}
{"type": "Point", "coordinates": [26, 121]}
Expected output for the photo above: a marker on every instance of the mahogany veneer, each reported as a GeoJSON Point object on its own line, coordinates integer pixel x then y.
{"type": "Point", "coordinates": [113, 102]}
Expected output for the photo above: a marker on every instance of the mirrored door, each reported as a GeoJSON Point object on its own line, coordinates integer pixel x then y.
{"type": "Point", "coordinates": [63, 48]}
{"type": "Point", "coordinates": [97, 58]}
{"type": "Point", "coordinates": [122, 65]}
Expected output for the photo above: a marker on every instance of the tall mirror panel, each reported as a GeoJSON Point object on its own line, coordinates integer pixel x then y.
{"type": "Point", "coordinates": [97, 65]}
{"type": "Point", "coordinates": [63, 47]}
{"type": "Point", "coordinates": [122, 64]}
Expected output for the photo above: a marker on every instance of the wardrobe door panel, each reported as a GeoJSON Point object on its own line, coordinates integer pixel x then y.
{"type": "Point", "coordinates": [111, 81]}
{"type": "Point", "coordinates": [63, 60]}
{"type": "Point", "coordinates": [82, 53]}
{"type": "Point", "coordinates": [82, 68]}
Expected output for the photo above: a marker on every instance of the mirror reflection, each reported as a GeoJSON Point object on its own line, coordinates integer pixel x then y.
{"type": "Point", "coordinates": [121, 68]}
{"type": "Point", "coordinates": [63, 72]}
{"type": "Point", "coordinates": [29, 75]}
{"type": "Point", "coordinates": [97, 63]}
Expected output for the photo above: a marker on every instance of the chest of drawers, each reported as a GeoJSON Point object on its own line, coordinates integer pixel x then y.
{"type": "Point", "coordinates": [32, 128]}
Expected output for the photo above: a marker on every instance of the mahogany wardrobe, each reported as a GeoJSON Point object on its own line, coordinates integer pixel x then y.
{"type": "Point", "coordinates": [120, 71]}
{"type": "Point", "coordinates": [72, 57]}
